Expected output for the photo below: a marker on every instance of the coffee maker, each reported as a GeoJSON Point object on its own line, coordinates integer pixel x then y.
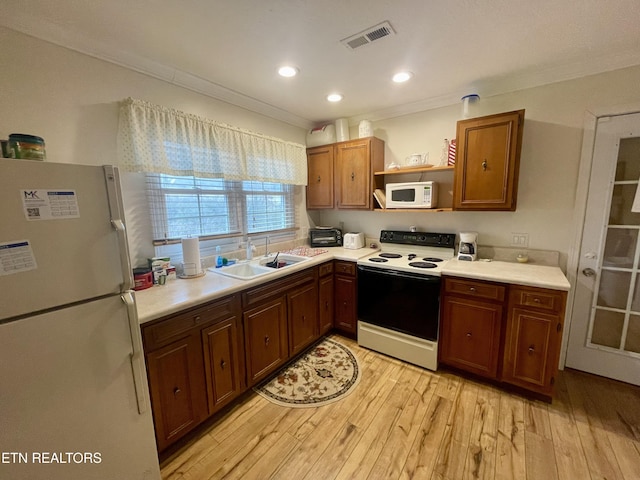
{"type": "Point", "coordinates": [468, 247]}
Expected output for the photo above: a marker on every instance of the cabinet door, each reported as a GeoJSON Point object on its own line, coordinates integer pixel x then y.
{"type": "Point", "coordinates": [487, 162]}
{"type": "Point", "coordinates": [320, 177]}
{"type": "Point", "coordinates": [303, 318]}
{"type": "Point", "coordinates": [346, 315]}
{"type": "Point", "coordinates": [265, 330]}
{"type": "Point", "coordinates": [532, 343]}
{"type": "Point", "coordinates": [220, 344]}
{"type": "Point", "coordinates": [326, 304]}
{"type": "Point", "coordinates": [177, 388]}
{"type": "Point", "coordinates": [470, 335]}
{"type": "Point", "coordinates": [353, 175]}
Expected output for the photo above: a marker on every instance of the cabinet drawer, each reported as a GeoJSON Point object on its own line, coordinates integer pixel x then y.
{"type": "Point", "coordinates": [277, 287]}
{"type": "Point", "coordinates": [166, 331]}
{"type": "Point", "coordinates": [325, 269]}
{"type": "Point", "coordinates": [551, 300]}
{"type": "Point", "coordinates": [345, 268]}
{"type": "Point", "coordinates": [475, 289]}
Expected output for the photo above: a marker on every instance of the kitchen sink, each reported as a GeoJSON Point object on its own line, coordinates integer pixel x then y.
{"type": "Point", "coordinates": [259, 267]}
{"type": "Point", "coordinates": [283, 260]}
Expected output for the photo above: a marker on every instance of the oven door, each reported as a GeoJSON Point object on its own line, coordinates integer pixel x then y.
{"type": "Point", "coordinates": [401, 301]}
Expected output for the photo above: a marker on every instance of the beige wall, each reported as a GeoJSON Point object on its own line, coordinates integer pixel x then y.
{"type": "Point", "coordinates": [71, 99]}
{"type": "Point", "coordinates": [551, 151]}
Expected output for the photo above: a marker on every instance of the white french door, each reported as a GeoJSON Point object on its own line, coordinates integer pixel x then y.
{"type": "Point", "coordinates": [605, 327]}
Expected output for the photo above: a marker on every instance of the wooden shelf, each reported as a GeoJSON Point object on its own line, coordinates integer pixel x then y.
{"type": "Point", "coordinates": [413, 210]}
{"type": "Point", "coordinates": [415, 170]}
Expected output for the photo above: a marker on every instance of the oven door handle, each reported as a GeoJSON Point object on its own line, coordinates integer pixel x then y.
{"type": "Point", "coordinates": [396, 273]}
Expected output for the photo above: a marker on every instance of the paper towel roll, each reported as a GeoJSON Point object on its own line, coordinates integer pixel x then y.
{"type": "Point", "coordinates": [191, 256]}
{"type": "Point", "coordinates": [342, 130]}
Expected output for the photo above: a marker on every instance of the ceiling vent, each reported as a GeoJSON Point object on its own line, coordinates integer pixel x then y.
{"type": "Point", "coordinates": [368, 36]}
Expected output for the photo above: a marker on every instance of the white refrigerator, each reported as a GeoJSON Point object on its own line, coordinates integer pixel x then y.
{"type": "Point", "coordinates": [74, 401]}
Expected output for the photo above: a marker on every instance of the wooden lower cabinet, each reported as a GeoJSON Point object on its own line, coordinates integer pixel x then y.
{"type": "Point", "coordinates": [265, 338]}
{"type": "Point", "coordinates": [474, 315]}
{"type": "Point", "coordinates": [346, 297]}
{"type": "Point", "coordinates": [192, 366]}
{"type": "Point", "coordinates": [177, 388]}
{"type": "Point", "coordinates": [326, 303]}
{"type": "Point", "coordinates": [533, 338]}
{"type": "Point", "coordinates": [222, 364]}
{"type": "Point", "coordinates": [470, 337]}
{"type": "Point", "coordinates": [302, 316]}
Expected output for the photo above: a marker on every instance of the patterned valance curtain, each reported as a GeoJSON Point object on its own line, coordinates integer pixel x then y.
{"type": "Point", "coordinates": [155, 139]}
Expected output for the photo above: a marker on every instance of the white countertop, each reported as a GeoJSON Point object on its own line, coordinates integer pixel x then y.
{"type": "Point", "coordinates": [507, 272]}
{"type": "Point", "coordinates": [178, 295]}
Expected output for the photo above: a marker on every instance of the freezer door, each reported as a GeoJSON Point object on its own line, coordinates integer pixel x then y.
{"type": "Point", "coordinates": [67, 388]}
{"type": "Point", "coordinates": [58, 238]}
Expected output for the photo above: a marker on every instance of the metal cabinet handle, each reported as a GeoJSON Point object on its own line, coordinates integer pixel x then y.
{"type": "Point", "coordinates": [196, 318]}
{"type": "Point", "coordinates": [266, 340]}
{"type": "Point", "coordinates": [536, 300]}
{"type": "Point", "coordinates": [468, 334]}
{"type": "Point", "coordinates": [176, 391]}
{"type": "Point", "coordinates": [326, 305]}
{"type": "Point", "coordinates": [472, 289]}
{"type": "Point", "coordinates": [532, 349]}
{"type": "Point", "coordinates": [353, 176]}
{"type": "Point", "coordinates": [484, 165]}
{"type": "Point", "coordinates": [318, 178]}
{"type": "Point", "coordinates": [223, 363]}
{"type": "Point", "coordinates": [588, 272]}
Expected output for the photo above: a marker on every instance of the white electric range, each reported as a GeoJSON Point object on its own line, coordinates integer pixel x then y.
{"type": "Point", "coordinates": [399, 295]}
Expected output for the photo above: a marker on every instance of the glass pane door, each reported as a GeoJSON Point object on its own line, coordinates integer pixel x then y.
{"type": "Point", "coordinates": [615, 320]}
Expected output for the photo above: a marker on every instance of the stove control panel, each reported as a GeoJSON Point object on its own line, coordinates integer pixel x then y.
{"type": "Point", "coordinates": [423, 239]}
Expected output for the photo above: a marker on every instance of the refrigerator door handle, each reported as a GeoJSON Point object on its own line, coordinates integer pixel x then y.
{"type": "Point", "coordinates": [137, 357]}
{"type": "Point", "coordinates": [114, 194]}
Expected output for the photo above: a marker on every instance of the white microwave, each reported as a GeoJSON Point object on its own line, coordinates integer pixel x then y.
{"type": "Point", "coordinates": [412, 195]}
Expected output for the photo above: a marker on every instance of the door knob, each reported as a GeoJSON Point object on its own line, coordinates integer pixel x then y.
{"type": "Point", "coordinates": [588, 272]}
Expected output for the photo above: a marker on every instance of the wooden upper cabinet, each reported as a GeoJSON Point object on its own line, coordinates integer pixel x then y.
{"type": "Point", "coordinates": [487, 162]}
{"type": "Point", "coordinates": [355, 162]}
{"type": "Point", "coordinates": [320, 180]}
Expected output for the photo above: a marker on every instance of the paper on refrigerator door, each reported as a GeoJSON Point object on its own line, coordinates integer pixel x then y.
{"type": "Point", "coordinates": [16, 257]}
{"type": "Point", "coordinates": [41, 204]}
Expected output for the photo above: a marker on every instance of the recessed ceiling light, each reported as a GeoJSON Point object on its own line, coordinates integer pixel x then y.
{"type": "Point", "coordinates": [401, 77]}
{"type": "Point", "coordinates": [288, 71]}
{"type": "Point", "coordinates": [334, 97]}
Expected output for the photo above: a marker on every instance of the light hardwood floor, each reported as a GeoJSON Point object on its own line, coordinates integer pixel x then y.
{"type": "Point", "coordinates": [404, 422]}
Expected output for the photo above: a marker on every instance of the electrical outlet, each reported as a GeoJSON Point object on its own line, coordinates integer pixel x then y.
{"type": "Point", "coordinates": [519, 240]}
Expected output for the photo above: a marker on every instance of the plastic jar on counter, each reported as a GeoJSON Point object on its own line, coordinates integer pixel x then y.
{"type": "Point", "coordinates": [142, 278]}
{"type": "Point", "coordinates": [26, 147]}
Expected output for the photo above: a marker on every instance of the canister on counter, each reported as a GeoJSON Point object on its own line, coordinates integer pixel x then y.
{"type": "Point", "coordinates": [142, 278]}
{"type": "Point", "coordinates": [26, 146]}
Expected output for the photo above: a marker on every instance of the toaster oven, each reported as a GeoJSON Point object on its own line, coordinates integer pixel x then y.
{"type": "Point", "coordinates": [325, 237]}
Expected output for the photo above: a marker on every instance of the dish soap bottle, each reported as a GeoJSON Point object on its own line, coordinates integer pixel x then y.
{"type": "Point", "coordinates": [249, 249]}
{"type": "Point", "coordinates": [218, 257]}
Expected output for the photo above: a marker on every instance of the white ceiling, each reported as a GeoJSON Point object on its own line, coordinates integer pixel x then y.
{"type": "Point", "coordinates": [230, 49]}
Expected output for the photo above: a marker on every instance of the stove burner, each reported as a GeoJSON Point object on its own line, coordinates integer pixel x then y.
{"type": "Point", "coordinates": [432, 259]}
{"type": "Point", "coordinates": [378, 260]}
{"type": "Point", "coordinates": [423, 265]}
{"type": "Point", "coordinates": [390, 255]}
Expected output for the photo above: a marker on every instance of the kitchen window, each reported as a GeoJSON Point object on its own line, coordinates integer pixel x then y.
{"type": "Point", "coordinates": [216, 208]}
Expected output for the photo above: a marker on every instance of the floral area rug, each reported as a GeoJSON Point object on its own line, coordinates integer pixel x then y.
{"type": "Point", "coordinates": [327, 372]}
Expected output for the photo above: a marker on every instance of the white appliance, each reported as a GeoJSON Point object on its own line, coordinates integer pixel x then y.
{"type": "Point", "coordinates": [74, 399]}
{"type": "Point", "coordinates": [411, 195]}
{"type": "Point", "coordinates": [399, 295]}
{"type": "Point", "coordinates": [468, 248]}
{"type": "Point", "coordinates": [353, 241]}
